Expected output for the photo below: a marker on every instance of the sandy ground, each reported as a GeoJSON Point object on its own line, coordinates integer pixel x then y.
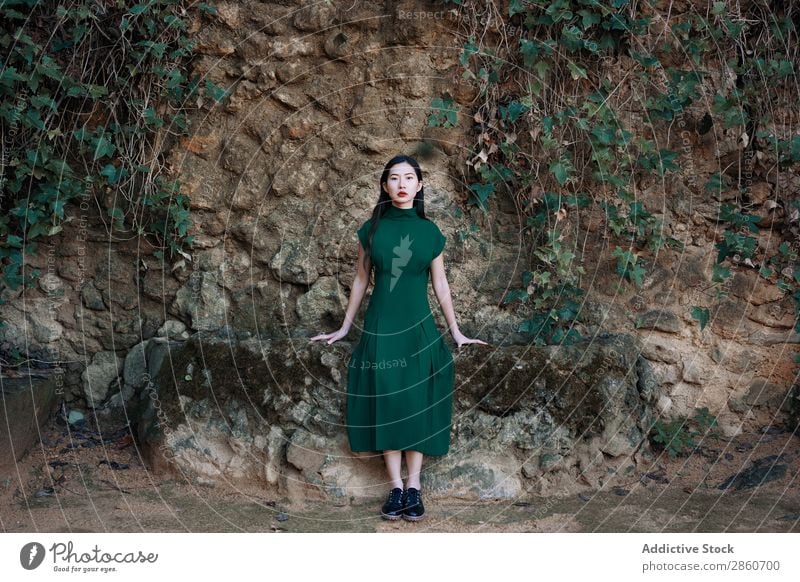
{"type": "Point", "coordinates": [87, 484]}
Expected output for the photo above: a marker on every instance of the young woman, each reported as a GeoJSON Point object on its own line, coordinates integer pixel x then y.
{"type": "Point", "coordinates": [401, 374]}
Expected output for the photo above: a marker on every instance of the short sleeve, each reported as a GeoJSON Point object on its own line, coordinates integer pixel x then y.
{"type": "Point", "coordinates": [438, 242]}
{"type": "Point", "coordinates": [363, 233]}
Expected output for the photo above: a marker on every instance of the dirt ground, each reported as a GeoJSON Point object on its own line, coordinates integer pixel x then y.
{"type": "Point", "coordinates": [78, 482]}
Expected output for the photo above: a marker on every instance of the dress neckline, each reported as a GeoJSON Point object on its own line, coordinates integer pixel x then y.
{"type": "Point", "coordinates": [395, 212]}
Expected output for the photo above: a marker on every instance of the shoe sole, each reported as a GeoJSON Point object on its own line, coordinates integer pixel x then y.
{"type": "Point", "coordinates": [391, 517]}
{"type": "Point", "coordinates": [409, 518]}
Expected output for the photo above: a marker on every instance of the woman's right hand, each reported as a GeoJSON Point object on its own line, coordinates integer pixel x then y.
{"type": "Point", "coordinates": [331, 337]}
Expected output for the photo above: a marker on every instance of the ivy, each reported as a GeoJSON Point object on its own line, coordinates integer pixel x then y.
{"type": "Point", "coordinates": [68, 83]}
{"type": "Point", "coordinates": [443, 112]}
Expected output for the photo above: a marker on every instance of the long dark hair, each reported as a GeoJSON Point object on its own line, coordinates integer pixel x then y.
{"type": "Point", "coordinates": [384, 202]}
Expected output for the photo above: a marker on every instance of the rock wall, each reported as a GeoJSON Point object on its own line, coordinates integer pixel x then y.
{"type": "Point", "coordinates": [271, 413]}
{"type": "Point", "coordinates": [280, 177]}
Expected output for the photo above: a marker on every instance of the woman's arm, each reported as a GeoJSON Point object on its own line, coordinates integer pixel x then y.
{"type": "Point", "coordinates": [442, 290]}
{"type": "Point", "coordinates": [359, 288]}
{"type": "Point", "coordinates": [357, 291]}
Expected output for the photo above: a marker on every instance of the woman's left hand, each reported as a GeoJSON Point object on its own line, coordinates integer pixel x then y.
{"type": "Point", "coordinates": [461, 339]}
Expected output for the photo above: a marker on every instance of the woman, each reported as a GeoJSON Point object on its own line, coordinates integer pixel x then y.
{"type": "Point", "coordinates": [401, 373]}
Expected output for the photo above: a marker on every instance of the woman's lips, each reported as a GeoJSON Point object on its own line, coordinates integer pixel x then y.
{"type": "Point", "coordinates": [401, 193]}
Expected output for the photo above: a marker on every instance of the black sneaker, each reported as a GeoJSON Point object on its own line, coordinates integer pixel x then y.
{"type": "Point", "coordinates": [393, 508]}
{"type": "Point", "coordinates": [413, 509]}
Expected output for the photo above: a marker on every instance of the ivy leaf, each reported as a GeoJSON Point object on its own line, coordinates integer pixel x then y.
{"type": "Point", "coordinates": [515, 295]}
{"type": "Point", "coordinates": [516, 7]}
{"type": "Point", "coordinates": [443, 113]}
{"type": "Point", "coordinates": [482, 193]}
{"type": "Point", "coordinates": [529, 50]}
{"type": "Point", "coordinates": [720, 273]}
{"type": "Point", "coordinates": [541, 68]}
{"type": "Point", "coordinates": [636, 273]}
{"type": "Point", "coordinates": [560, 171]}
{"type": "Point", "coordinates": [97, 91]}
{"type": "Point", "coordinates": [14, 241]}
{"type": "Point", "coordinates": [103, 148]}
{"type": "Point", "coordinates": [114, 174]}
{"type": "Point", "coordinates": [576, 71]}
{"type": "Point", "coordinates": [701, 314]}
{"type": "Point", "coordinates": [152, 118]}
{"type": "Point", "coordinates": [215, 92]}
{"type": "Point", "coordinates": [57, 208]}
{"type": "Point", "coordinates": [139, 9]}
{"type": "Point", "coordinates": [207, 8]}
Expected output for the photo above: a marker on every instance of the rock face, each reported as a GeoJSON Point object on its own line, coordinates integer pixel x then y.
{"type": "Point", "coordinates": [272, 412]}
{"type": "Point", "coordinates": [25, 405]}
{"type": "Point", "coordinates": [280, 176]}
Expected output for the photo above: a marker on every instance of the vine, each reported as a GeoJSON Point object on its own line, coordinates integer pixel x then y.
{"type": "Point", "coordinates": [549, 130]}
{"type": "Point", "coordinates": [90, 94]}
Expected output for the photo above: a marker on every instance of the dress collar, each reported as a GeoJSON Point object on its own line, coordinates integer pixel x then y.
{"type": "Point", "coordinates": [400, 213]}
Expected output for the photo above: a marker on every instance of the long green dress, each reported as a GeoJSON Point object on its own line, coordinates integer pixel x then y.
{"type": "Point", "coordinates": [401, 373]}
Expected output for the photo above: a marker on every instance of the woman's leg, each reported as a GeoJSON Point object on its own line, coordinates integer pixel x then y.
{"type": "Point", "coordinates": [414, 465]}
{"type": "Point", "coordinates": [393, 461]}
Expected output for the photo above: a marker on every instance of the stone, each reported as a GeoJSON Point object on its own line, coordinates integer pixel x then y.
{"type": "Point", "coordinates": [762, 392]}
{"type": "Point", "coordinates": [173, 329]}
{"type": "Point", "coordinates": [26, 406]}
{"type": "Point", "coordinates": [295, 263]}
{"type": "Point", "coordinates": [43, 324]}
{"type": "Point", "coordinates": [659, 320]}
{"type": "Point", "coordinates": [201, 301]}
{"type": "Point", "coordinates": [662, 349]}
{"type": "Point", "coordinates": [731, 357]}
{"type": "Point", "coordinates": [760, 472]}
{"type": "Point", "coordinates": [753, 288]}
{"type": "Point", "coordinates": [314, 17]}
{"type": "Point", "coordinates": [98, 376]}
{"type": "Point", "coordinates": [729, 320]}
{"type": "Point", "coordinates": [306, 452]}
{"type": "Point", "coordinates": [698, 369]}
{"type": "Point", "coordinates": [501, 426]}
{"type": "Point", "coordinates": [321, 303]}
{"type": "Point", "coordinates": [341, 44]}
{"type": "Point", "coordinates": [228, 13]}
{"type": "Point", "coordinates": [91, 297]}
{"type": "Point", "coordinates": [302, 179]}
{"type": "Point", "coordinates": [135, 367]}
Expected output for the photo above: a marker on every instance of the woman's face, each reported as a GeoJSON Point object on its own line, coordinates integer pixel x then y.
{"type": "Point", "coordinates": [402, 185]}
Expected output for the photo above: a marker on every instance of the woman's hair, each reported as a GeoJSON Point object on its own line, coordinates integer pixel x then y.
{"type": "Point", "coordinates": [384, 202]}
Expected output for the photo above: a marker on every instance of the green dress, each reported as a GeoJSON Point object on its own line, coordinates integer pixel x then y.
{"type": "Point", "coordinates": [401, 373]}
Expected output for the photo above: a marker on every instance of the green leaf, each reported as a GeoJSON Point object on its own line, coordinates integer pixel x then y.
{"type": "Point", "coordinates": [97, 91]}
{"type": "Point", "coordinates": [576, 71]}
{"type": "Point", "coordinates": [720, 273]}
{"type": "Point", "coordinates": [103, 148]}
{"type": "Point", "coordinates": [114, 174]}
{"type": "Point", "coordinates": [14, 241]}
{"type": "Point", "coordinates": [482, 193]}
{"type": "Point", "coordinates": [516, 7]}
{"type": "Point", "coordinates": [207, 8]}
{"type": "Point", "coordinates": [139, 9]}
{"type": "Point", "coordinates": [216, 93]}
{"type": "Point", "coordinates": [443, 112]}
{"type": "Point", "coordinates": [701, 314]}
{"type": "Point", "coordinates": [560, 170]}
